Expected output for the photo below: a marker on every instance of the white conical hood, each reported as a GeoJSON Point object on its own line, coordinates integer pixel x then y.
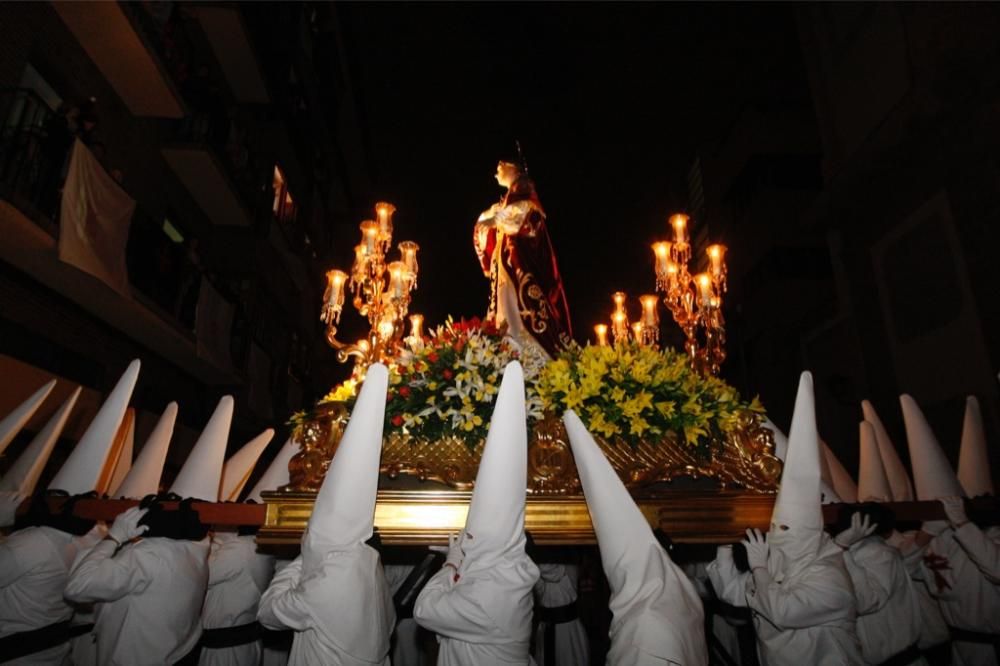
{"type": "Point", "coordinates": [86, 469]}
{"type": "Point", "coordinates": [344, 512]}
{"type": "Point", "coordinates": [973, 457]}
{"type": "Point", "coordinates": [239, 467]}
{"type": "Point", "coordinates": [144, 477]}
{"type": "Point", "coordinates": [839, 478]}
{"type": "Point", "coordinates": [124, 463]}
{"type": "Point", "coordinates": [797, 504]}
{"type": "Point", "coordinates": [932, 473]}
{"type": "Point", "coordinates": [11, 424]}
{"type": "Point", "coordinates": [495, 523]}
{"type": "Point", "coordinates": [655, 607]}
{"type": "Point", "coordinates": [201, 475]}
{"type": "Point", "coordinates": [22, 477]}
{"type": "Point", "coordinates": [895, 470]}
{"type": "Point", "coordinates": [333, 546]}
{"type": "Point", "coordinates": [780, 440]}
{"type": "Point", "coordinates": [796, 533]}
{"type": "Point", "coordinates": [873, 484]}
{"type": "Point", "coordinates": [277, 474]}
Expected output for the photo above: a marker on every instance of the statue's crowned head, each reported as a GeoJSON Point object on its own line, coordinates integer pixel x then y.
{"type": "Point", "coordinates": [507, 173]}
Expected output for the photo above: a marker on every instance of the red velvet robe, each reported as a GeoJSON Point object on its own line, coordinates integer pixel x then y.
{"type": "Point", "coordinates": [529, 260]}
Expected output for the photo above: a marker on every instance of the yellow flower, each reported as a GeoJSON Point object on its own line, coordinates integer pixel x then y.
{"type": "Point", "coordinates": [617, 394]}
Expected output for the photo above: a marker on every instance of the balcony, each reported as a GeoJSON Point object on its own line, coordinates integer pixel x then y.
{"type": "Point", "coordinates": [109, 36]}
{"type": "Point", "coordinates": [154, 313]}
{"type": "Point", "coordinates": [223, 26]}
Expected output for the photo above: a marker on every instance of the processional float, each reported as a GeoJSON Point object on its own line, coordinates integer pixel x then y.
{"type": "Point", "coordinates": [693, 452]}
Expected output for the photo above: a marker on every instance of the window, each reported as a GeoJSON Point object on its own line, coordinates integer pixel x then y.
{"type": "Point", "coordinates": [284, 207]}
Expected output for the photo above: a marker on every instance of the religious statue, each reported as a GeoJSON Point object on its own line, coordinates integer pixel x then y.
{"type": "Point", "coordinates": [515, 252]}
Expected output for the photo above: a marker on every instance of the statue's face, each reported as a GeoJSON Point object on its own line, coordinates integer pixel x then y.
{"type": "Point", "coordinates": [507, 173]}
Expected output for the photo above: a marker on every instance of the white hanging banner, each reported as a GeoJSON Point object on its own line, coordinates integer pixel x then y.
{"type": "Point", "coordinates": [94, 220]}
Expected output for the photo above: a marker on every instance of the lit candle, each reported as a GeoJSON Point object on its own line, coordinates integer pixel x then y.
{"type": "Point", "coordinates": [649, 314]}
{"type": "Point", "coordinates": [334, 296]}
{"type": "Point", "coordinates": [619, 298]}
{"type": "Point", "coordinates": [383, 213]}
{"type": "Point", "coordinates": [619, 326]}
{"type": "Point", "coordinates": [704, 284]}
{"type": "Point", "coordinates": [679, 222]}
{"type": "Point", "coordinates": [369, 235]}
{"type": "Point", "coordinates": [386, 328]}
{"type": "Point", "coordinates": [716, 257]}
{"type": "Point", "coordinates": [661, 250]}
{"type": "Point", "coordinates": [601, 330]}
{"type": "Point", "coordinates": [408, 252]}
{"type": "Point", "coordinates": [397, 286]}
{"type": "Point", "coordinates": [637, 331]}
{"type": "Point", "coordinates": [417, 326]}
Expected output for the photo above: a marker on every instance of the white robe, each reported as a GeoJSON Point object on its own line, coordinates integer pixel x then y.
{"type": "Point", "coordinates": [273, 655]}
{"type": "Point", "coordinates": [485, 617]}
{"type": "Point", "coordinates": [34, 566]}
{"type": "Point", "coordinates": [888, 608]}
{"type": "Point", "coordinates": [969, 597]}
{"type": "Point", "coordinates": [556, 587]}
{"type": "Point", "coordinates": [406, 647]}
{"type": "Point", "coordinates": [340, 609]}
{"type": "Point", "coordinates": [933, 630]}
{"type": "Point", "coordinates": [237, 576]}
{"type": "Point", "coordinates": [150, 596]}
{"type": "Point", "coordinates": [807, 618]}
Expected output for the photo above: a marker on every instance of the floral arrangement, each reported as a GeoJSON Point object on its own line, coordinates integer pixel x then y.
{"type": "Point", "coordinates": [633, 393]}
{"type": "Point", "coordinates": [445, 386]}
{"type": "Point", "coordinates": [448, 385]}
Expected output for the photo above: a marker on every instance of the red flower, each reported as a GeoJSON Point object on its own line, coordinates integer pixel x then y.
{"type": "Point", "coordinates": [397, 420]}
{"type": "Point", "coordinates": [447, 373]}
{"type": "Point", "coordinates": [432, 357]}
{"type": "Point", "coordinates": [404, 391]}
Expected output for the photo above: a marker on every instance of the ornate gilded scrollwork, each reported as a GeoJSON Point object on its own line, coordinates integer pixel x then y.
{"type": "Point", "coordinates": [745, 460]}
{"type": "Point", "coordinates": [318, 439]}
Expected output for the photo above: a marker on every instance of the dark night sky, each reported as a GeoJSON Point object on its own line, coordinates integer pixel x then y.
{"type": "Point", "coordinates": [609, 102]}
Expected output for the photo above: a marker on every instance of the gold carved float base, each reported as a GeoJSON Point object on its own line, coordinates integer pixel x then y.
{"type": "Point", "coordinates": [421, 517]}
{"type": "Point", "coordinates": [744, 459]}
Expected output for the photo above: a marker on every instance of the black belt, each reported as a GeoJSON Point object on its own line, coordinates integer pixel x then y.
{"type": "Point", "coordinates": [907, 656]}
{"type": "Point", "coordinates": [227, 637]}
{"type": "Point", "coordinates": [553, 616]}
{"type": "Point", "coordinates": [980, 637]}
{"type": "Point", "coordinates": [557, 614]}
{"type": "Point", "coordinates": [24, 643]}
{"type": "Point", "coordinates": [280, 640]}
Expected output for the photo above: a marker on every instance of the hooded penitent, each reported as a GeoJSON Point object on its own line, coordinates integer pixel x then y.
{"type": "Point", "coordinates": [201, 475]}
{"type": "Point", "coordinates": [240, 466]}
{"type": "Point", "coordinates": [933, 475]}
{"type": "Point", "coordinates": [973, 458]}
{"type": "Point", "coordinates": [342, 520]}
{"type": "Point", "coordinates": [895, 471]}
{"type": "Point", "coordinates": [22, 477]}
{"type": "Point", "coordinates": [656, 608]}
{"type": "Point", "coordinates": [835, 474]}
{"type": "Point", "coordinates": [873, 485]}
{"type": "Point", "coordinates": [144, 477]}
{"type": "Point", "coordinates": [493, 544]}
{"type": "Point", "coordinates": [11, 424]}
{"type": "Point", "coordinates": [87, 467]}
{"type": "Point", "coordinates": [797, 506]}
{"type": "Point", "coordinates": [277, 473]}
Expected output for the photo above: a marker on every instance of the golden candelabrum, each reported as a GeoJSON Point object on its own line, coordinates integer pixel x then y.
{"type": "Point", "coordinates": [694, 301]}
{"type": "Point", "coordinates": [380, 291]}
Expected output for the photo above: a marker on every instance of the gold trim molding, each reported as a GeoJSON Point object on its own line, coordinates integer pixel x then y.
{"type": "Point", "coordinates": [422, 517]}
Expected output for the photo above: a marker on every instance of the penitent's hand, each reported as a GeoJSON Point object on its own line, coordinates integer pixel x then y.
{"type": "Point", "coordinates": [757, 549]}
{"type": "Point", "coordinates": [860, 528]}
{"type": "Point", "coordinates": [127, 527]}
